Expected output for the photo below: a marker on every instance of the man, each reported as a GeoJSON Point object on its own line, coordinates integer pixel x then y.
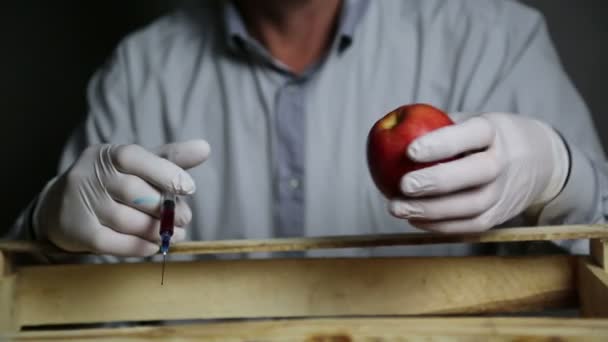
{"type": "Point", "coordinates": [285, 93]}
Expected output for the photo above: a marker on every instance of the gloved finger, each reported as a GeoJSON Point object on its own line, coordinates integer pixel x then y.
{"type": "Point", "coordinates": [475, 224]}
{"type": "Point", "coordinates": [473, 170]}
{"type": "Point", "coordinates": [127, 220]}
{"type": "Point", "coordinates": [163, 174]}
{"type": "Point", "coordinates": [450, 141]}
{"type": "Point", "coordinates": [467, 203]}
{"type": "Point", "coordinates": [108, 241]}
{"type": "Point", "coordinates": [139, 194]}
{"type": "Point", "coordinates": [187, 154]}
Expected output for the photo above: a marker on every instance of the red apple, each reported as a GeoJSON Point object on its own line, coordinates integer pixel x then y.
{"type": "Point", "coordinates": [389, 139]}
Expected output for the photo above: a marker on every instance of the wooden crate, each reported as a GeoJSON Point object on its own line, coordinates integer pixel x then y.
{"type": "Point", "coordinates": [315, 299]}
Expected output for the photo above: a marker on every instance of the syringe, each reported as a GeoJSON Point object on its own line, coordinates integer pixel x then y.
{"type": "Point", "coordinates": [167, 220]}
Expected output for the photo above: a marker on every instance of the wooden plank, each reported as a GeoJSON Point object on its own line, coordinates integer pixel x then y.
{"type": "Point", "coordinates": [349, 329]}
{"type": "Point", "coordinates": [4, 263]}
{"type": "Point", "coordinates": [547, 233]}
{"type": "Point", "coordinates": [8, 319]}
{"type": "Point", "coordinates": [593, 289]}
{"type": "Point", "coordinates": [599, 252]}
{"type": "Point", "coordinates": [293, 288]}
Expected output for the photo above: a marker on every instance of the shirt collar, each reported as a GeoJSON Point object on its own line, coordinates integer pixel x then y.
{"type": "Point", "coordinates": [351, 13]}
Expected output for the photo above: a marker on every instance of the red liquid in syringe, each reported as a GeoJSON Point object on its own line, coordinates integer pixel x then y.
{"type": "Point", "coordinates": [167, 217]}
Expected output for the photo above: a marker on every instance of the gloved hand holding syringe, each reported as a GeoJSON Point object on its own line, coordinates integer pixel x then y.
{"type": "Point", "coordinates": [109, 201]}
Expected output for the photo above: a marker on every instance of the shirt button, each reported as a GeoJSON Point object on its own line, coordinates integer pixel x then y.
{"type": "Point", "coordinates": [294, 183]}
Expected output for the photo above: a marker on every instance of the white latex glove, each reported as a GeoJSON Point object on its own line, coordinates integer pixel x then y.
{"type": "Point", "coordinates": [108, 202]}
{"type": "Point", "coordinates": [514, 164]}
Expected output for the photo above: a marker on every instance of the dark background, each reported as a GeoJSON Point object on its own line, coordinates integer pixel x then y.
{"type": "Point", "coordinates": [49, 50]}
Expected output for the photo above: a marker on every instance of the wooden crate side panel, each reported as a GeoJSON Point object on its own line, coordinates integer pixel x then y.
{"type": "Point", "coordinates": [8, 316]}
{"type": "Point", "coordinates": [293, 288]}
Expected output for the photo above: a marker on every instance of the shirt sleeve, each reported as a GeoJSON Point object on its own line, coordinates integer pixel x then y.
{"type": "Point", "coordinates": [108, 119]}
{"type": "Point", "coordinates": [533, 83]}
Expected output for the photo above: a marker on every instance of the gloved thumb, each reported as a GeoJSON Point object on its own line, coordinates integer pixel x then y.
{"type": "Point", "coordinates": [185, 154]}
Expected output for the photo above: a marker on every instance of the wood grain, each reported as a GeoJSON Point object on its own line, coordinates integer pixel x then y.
{"type": "Point", "coordinates": [547, 233]}
{"type": "Point", "coordinates": [592, 289]}
{"type": "Point", "coordinates": [293, 288]}
{"type": "Point", "coordinates": [349, 329]}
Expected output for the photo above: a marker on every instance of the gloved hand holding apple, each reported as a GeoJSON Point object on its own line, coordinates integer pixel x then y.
{"type": "Point", "coordinates": [464, 177]}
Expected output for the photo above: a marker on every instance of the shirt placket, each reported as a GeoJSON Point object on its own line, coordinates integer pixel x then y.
{"type": "Point", "coordinates": [290, 129]}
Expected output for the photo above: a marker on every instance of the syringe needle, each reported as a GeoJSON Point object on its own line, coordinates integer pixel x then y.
{"type": "Point", "coordinates": [162, 277]}
{"type": "Point", "coordinates": [167, 221]}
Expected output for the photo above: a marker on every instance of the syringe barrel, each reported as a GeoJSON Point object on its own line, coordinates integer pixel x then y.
{"type": "Point", "coordinates": [167, 216]}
